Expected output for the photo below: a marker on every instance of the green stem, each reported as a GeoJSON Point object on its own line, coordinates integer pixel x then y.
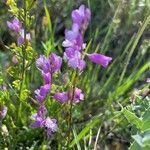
{"type": "Point", "coordinates": [23, 50]}
{"type": "Point", "coordinates": [23, 58]}
{"type": "Point", "coordinates": [71, 106]}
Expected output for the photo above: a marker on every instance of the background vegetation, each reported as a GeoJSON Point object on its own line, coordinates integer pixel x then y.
{"type": "Point", "coordinates": [116, 108]}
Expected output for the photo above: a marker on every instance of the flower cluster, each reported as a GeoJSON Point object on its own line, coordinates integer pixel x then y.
{"type": "Point", "coordinates": [41, 121]}
{"type": "Point", "coordinates": [47, 66]}
{"type": "Point", "coordinates": [74, 55]}
{"type": "Point", "coordinates": [74, 46]}
{"type": "Point", "coordinates": [74, 43]}
{"type": "Point", "coordinates": [16, 26]}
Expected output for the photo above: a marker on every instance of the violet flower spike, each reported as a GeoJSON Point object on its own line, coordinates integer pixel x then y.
{"type": "Point", "coordinates": [99, 59]}
{"type": "Point", "coordinates": [14, 25]}
{"type": "Point", "coordinates": [81, 17]}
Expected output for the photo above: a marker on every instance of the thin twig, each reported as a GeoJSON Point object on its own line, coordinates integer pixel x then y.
{"type": "Point", "coordinates": [97, 137]}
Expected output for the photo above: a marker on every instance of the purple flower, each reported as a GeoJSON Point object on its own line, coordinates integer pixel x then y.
{"type": "Point", "coordinates": [46, 77]}
{"type": "Point", "coordinates": [20, 39]}
{"type": "Point", "coordinates": [74, 59]}
{"type": "Point", "coordinates": [69, 53]}
{"type": "Point", "coordinates": [61, 97]}
{"type": "Point", "coordinates": [73, 38]}
{"type": "Point", "coordinates": [42, 92]}
{"type": "Point", "coordinates": [100, 59]}
{"type": "Point", "coordinates": [40, 121]}
{"type": "Point", "coordinates": [148, 80]}
{"type": "Point", "coordinates": [14, 25]}
{"type": "Point", "coordinates": [64, 97]}
{"type": "Point", "coordinates": [39, 117]}
{"type": "Point", "coordinates": [81, 17]}
{"type": "Point", "coordinates": [55, 62]}
{"type": "Point", "coordinates": [51, 126]}
{"type": "Point", "coordinates": [42, 64]}
{"type": "Point", "coordinates": [3, 112]}
{"type": "Point", "coordinates": [78, 95]}
{"type": "Point", "coordinates": [49, 65]}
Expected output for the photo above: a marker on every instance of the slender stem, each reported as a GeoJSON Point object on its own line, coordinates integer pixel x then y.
{"type": "Point", "coordinates": [71, 106]}
{"type": "Point", "coordinates": [105, 135]}
{"type": "Point", "coordinates": [23, 50]}
{"type": "Point", "coordinates": [23, 60]}
{"type": "Point", "coordinates": [97, 137]}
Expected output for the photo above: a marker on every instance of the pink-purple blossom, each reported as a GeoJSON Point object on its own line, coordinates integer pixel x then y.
{"type": "Point", "coordinates": [61, 97]}
{"type": "Point", "coordinates": [100, 59]}
{"type": "Point", "coordinates": [46, 77]}
{"type": "Point", "coordinates": [51, 64]}
{"type": "Point", "coordinates": [73, 38]}
{"type": "Point", "coordinates": [50, 126]}
{"type": "Point", "coordinates": [76, 61]}
{"type": "Point", "coordinates": [39, 117]}
{"type": "Point", "coordinates": [47, 66]}
{"type": "Point", "coordinates": [74, 58]}
{"type": "Point", "coordinates": [14, 25]}
{"type": "Point", "coordinates": [43, 64]}
{"type": "Point", "coordinates": [41, 121]}
{"type": "Point", "coordinates": [64, 97]}
{"type": "Point", "coordinates": [74, 44]}
{"type": "Point", "coordinates": [55, 62]}
{"type": "Point", "coordinates": [78, 96]}
{"type": "Point", "coordinates": [40, 94]}
{"type": "Point", "coordinates": [81, 17]}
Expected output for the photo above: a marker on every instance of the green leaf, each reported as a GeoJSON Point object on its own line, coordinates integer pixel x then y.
{"type": "Point", "coordinates": [84, 131]}
{"type": "Point", "coordinates": [76, 139]}
{"type": "Point", "coordinates": [49, 27]}
{"type": "Point", "coordinates": [142, 141]}
{"type": "Point", "coordinates": [146, 120]}
{"type": "Point", "coordinates": [138, 139]}
{"type": "Point", "coordinates": [146, 138]}
{"type": "Point", "coordinates": [132, 118]}
{"type": "Point", "coordinates": [136, 146]}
